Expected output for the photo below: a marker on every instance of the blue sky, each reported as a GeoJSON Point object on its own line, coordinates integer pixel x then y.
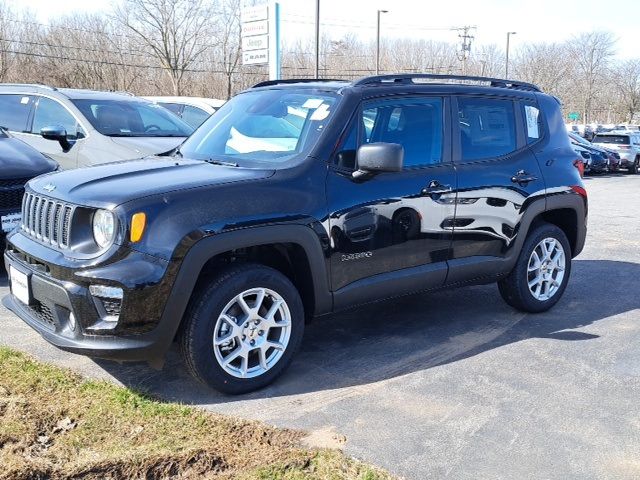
{"type": "Point", "coordinates": [534, 21]}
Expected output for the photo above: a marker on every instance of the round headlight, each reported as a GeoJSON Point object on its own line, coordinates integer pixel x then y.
{"type": "Point", "coordinates": [104, 224]}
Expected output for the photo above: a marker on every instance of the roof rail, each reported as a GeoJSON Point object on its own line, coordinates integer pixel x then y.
{"type": "Point", "coordinates": [269, 83]}
{"type": "Point", "coordinates": [41, 85]}
{"type": "Point", "coordinates": [409, 77]}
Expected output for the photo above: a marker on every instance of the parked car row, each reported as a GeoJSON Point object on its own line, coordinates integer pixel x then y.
{"type": "Point", "coordinates": [608, 151]}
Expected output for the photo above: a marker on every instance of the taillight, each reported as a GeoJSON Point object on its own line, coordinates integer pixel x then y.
{"type": "Point", "coordinates": [579, 190]}
{"type": "Point", "coordinates": [579, 165]}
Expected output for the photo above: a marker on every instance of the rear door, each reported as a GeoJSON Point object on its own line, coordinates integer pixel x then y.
{"type": "Point", "coordinates": [498, 177]}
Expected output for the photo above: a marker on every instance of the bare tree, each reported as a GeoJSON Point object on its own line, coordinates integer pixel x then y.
{"type": "Point", "coordinates": [174, 32]}
{"type": "Point", "coordinates": [228, 40]}
{"type": "Point", "coordinates": [591, 53]}
{"type": "Point", "coordinates": [626, 77]}
{"type": "Point", "coordinates": [7, 31]}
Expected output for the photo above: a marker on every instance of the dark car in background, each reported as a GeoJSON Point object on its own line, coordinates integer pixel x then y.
{"type": "Point", "coordinates": [19, 163]}
{"type": "Point", "coordinates": [612, 157]}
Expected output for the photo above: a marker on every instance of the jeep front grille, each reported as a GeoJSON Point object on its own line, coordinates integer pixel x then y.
{"type": "Point", "coordinates": [47, 220]}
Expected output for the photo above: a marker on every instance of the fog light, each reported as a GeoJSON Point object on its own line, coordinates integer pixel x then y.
{"type": "Point", "coordinates": [105, 292]}
{"type": "Point", "coordinates": [108, 302]}
{"type": "Point", "coordinates": [72, 321]}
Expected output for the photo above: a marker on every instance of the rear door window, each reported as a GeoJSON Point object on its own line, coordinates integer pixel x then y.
{"type": "Point", "coordinates": [14, 112]}
{"type": "Point", "coordinates": [487, 128]}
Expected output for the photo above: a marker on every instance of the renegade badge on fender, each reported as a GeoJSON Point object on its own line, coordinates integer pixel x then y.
{"type": "Point", "coordinates": [295, 200]}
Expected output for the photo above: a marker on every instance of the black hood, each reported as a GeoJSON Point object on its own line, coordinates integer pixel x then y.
{"type": "Point", "coordinates": [111, 184]}
{"type": "Point", "coordinates": [19, 160]}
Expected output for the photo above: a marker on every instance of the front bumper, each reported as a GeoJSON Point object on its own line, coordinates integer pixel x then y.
{"type": "Point", "coordinates": [141, 332]}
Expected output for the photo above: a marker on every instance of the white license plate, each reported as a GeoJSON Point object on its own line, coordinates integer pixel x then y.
{"type": "Point", "coordinates": [20, 285]}
{"type": "Point", "coordinates": [11, 221]}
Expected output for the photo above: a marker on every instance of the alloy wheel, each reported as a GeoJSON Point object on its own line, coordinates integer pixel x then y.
{"type": "Point", "coordinates": [252, 333]}
{"type": "Point", "coordinates": [546, 269]}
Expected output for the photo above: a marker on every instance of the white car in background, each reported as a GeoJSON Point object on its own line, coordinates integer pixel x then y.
{"type": "Point", "coordinates": [192, 110]}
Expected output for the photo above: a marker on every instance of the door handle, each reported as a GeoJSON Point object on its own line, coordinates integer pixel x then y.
{"type": "Point", "coordinates": [522, 178]}
{"type": "Point", "coordinates": [436, 188]}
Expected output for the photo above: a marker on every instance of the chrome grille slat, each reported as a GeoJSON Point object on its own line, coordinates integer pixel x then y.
{"type": "Point", "coordinates": [32, 215]}
{"type": "Point", "coordinates": [47, 220]}
{"type": "Point", "coordinates": [37, 214]}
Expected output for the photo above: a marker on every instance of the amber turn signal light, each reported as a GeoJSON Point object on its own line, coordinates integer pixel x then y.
{"type": "Point", "coordinates": [138, 222]}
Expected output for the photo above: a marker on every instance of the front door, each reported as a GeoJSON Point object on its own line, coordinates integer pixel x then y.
{"type": "Point", "coordinates": [47, 113]}
{"type": "Point", "coordinates": [392, 225]}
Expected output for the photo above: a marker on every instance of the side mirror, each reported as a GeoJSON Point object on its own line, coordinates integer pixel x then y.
{"type": "Point", "coordinates": [59, 134]}
{"type": "Point", "coordinates": [379, 157]}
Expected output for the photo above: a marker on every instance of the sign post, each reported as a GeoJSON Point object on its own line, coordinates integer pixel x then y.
{"type": "Point", "coordinates": [260, 33]}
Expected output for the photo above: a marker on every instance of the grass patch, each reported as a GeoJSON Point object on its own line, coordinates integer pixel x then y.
{"type": "Point", "coordinates": [55, 425]}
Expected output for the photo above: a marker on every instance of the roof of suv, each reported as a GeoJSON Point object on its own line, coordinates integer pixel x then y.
{"type": "Point", "coordinates": [70, 93]}
{"type": "Point", "coordinates": [406, 79]}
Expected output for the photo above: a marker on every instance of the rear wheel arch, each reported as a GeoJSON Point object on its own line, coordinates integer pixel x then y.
{"type": "Point", "coordinates": [566, 219]}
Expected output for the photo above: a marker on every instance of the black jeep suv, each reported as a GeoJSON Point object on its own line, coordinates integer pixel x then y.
{"type": "Point", "coordinates": [19, 163]}
{"type": "Point", "coordinates": [295, 200]}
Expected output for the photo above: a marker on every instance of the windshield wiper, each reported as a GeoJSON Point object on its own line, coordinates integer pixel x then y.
{"type": "Point", "coordinates": [219, 162]}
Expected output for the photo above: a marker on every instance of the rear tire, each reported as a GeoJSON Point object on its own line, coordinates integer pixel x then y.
{"type": "Point", "coordinates": [633, 168]}
{"type": "Point", "coordinates": [242, 328]}
{"type": "Point", "coordinates": [541, 273]}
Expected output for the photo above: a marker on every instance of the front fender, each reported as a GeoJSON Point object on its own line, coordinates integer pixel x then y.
{"type": "Point", "coordinates": [208, 247]}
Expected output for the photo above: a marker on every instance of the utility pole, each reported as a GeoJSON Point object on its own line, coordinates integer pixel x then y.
{"type": "Point", "coordinates": [378, 42]}
{"type": "Point", "coordinates": [317, 38]}
{"type": "Point", "coordinates": [465, 46]}
{"type": "Point", "coordinates": [506, 64]}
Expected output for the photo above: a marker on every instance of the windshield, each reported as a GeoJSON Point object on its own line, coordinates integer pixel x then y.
{"type": "Point", "coordinates": [616, 139]}
{"type": "Point", "coordinates": [267, 126]}
{"type": "Point", "coordinates": [132, 118]}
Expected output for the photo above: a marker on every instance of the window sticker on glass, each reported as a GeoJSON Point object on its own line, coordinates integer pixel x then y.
{"type": "Point", "coordinates": [321, 112]}
{"type": "Point", "coordinates": [24, 100]}
{"type": "Point", "coordinates": [312, 103]}
{"type": "Point", "coordinates": [532, 121]}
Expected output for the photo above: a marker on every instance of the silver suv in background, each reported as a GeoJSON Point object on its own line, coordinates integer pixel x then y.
{"type": "Point", "coordinates": [79, 128]}
{"type": "Point", "coordinates": [626, 144]}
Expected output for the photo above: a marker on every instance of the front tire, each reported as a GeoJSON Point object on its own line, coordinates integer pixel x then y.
{"type": "Point", "coordinates": [541, 273]}
{"type": "Point", "coordinates": [633, 168]}
{"type": "Point", "coordinates": [242, 328]}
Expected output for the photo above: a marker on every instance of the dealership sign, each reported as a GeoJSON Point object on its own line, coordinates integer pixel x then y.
{"type": "Point", "coordinates": [260, 32]}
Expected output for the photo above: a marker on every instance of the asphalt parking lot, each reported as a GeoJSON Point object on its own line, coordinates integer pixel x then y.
{"type": "Point", "coordinates": [456, 384]}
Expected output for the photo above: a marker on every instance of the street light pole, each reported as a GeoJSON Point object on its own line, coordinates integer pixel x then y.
{"type": "Point", "coordinates": [317, 38]}
{"type": "Point", "coordinates": [378, 42]}
{"type": "Point", "coordinates": [506, 65]}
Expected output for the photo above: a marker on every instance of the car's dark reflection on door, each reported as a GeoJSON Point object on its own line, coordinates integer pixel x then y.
{"type": "Point", "coordinates": [393, 222]}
